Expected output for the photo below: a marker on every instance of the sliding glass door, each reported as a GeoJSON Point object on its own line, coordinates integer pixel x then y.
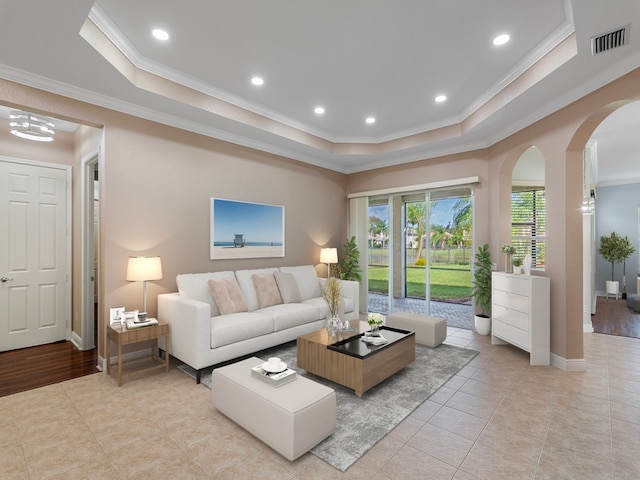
{"type": "Point", "coordinates": [378, 254]}
{"type": "Point", "coordinates": [450, 255]}
{"type": "Point", "coordinates": [419, 252]}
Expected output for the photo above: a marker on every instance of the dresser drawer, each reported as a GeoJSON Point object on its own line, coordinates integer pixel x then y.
{"type": "Point", "coordinates": [511, 300]}
{"type": "Point", "coordinates": [511, 334]}
{"type": "Point", "coordinates": [511, 317]}
{"type": "Point", "coordinates": [511, 283]}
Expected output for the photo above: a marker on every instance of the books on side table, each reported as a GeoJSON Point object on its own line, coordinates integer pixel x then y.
{"type": "Point", "coordinates": [131, 323]}
{"type": "Point", "coordinates": [274, 379]}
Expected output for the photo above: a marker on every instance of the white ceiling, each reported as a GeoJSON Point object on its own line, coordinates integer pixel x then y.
{"type": "Point", "coordinates": [356, 58]}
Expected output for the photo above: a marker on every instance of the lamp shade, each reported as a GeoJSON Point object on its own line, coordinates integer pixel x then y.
{"type": "Point", "coordinates": [141, 269]}
{"type": "Point", "coordinates": [328, 255]}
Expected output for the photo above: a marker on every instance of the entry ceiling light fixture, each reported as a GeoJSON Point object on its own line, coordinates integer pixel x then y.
{"type": "Point", "coordinates": [31, 126]}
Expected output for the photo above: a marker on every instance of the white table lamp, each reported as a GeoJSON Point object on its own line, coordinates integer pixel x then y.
{"type": "Point", "coordinates": [328, 256]}
{"type": "Point", "coordinates": [143, 269]}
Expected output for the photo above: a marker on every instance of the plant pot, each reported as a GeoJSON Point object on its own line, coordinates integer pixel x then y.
{"type": "Point", "coordinates": [613, 288]}
{"type": "Point", "coordinates": [482, 324]}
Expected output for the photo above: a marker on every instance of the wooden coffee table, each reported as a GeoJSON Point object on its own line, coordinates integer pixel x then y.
{"type": "Point", "coordinates": [348, 361]}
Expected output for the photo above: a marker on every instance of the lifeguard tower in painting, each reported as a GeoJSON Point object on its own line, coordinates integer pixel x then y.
{"type": "Point", "coordinates": [238, 241]}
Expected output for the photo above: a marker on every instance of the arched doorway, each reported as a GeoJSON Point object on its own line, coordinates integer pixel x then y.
{"type": "Point", "coordinates": [611, 202]}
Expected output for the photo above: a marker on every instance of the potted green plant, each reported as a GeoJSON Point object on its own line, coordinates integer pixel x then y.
{"type": "Point", "coordinates": [481, 290]}
{"type": "Point", "coordinates": [517, 265]}
{"type": "Point", "coordinates": [350, 266]}
{"type": "Point", "coordinates": [614, 249]}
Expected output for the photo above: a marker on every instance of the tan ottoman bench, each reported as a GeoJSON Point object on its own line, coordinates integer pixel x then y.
{"type": "Point", "coordinates": [430, 331]}
{"type": "Point", "coordinates": [291, 418]}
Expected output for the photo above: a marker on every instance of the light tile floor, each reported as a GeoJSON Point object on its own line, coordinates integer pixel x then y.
{"type": "Point", "coordinates": [498, 418]}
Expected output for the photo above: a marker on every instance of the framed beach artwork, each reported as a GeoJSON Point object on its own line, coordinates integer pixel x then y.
{"type": "Point", "coordinates": [246, 230]}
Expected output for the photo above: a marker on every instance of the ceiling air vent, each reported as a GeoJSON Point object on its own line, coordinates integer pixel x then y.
{"type": "Point", "coordinates": [610, 40]}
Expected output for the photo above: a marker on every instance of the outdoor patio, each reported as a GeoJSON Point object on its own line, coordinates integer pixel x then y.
{"type": "Point", "coordinates": [457, 315]}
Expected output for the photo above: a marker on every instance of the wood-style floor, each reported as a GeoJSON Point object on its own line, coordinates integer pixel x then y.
{"type": "Point", "coordinates": [34, 367]}
{"type": "Point", "coordinates": [613, 317]}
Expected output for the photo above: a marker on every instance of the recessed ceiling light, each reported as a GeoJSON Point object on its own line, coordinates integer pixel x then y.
{"type": "Point", "coordinates": [319, 110]}
{"type": "Point", "coordinates": [501, 39]}
{"type": "Point", "coordinates": [440, 98]}
{"type": "Point", "coordinates": [257, 80]}
{"type": "Point", "coordinates": [370, 120]}
{"type": "Point", "coordinates": [160, 34]}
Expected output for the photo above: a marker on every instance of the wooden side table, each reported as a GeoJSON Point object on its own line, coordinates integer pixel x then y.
{"type": "Point", "coordinates": [124, 336]}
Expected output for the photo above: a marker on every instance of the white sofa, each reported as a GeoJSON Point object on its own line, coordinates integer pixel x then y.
{"type": "Point", "coordinates": [201, 336]}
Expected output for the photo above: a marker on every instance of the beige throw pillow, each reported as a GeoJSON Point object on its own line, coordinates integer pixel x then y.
{"type": "Point", "coordinates": [288, 287]}
{"type": "Point", "coordinates": [266, 289]}
{"type": "Point", "coordinates": [227, 295]}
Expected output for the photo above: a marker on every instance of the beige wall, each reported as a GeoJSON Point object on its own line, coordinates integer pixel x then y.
{"type": "Point", "coordinates": [155, 186]}
{"type": "Point", "coordinates": [156, 182]}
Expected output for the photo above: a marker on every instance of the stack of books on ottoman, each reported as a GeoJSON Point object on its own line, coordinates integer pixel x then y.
{"type": "Point", "coordinates": [274, 372]}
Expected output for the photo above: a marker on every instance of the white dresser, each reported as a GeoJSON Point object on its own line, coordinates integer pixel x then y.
{"type": "Point", "coordinates": [520, 314]}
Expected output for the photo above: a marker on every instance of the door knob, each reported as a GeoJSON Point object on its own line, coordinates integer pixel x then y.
{"type": "Point", "coordinates": [6, 279]}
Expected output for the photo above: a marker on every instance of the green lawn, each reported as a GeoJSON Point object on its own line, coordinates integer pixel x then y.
{"type": "Point", "coordinates": [448, 282]}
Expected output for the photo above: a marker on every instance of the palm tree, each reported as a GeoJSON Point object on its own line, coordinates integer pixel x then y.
{"type": "Point", "coordinates": [416, 216]}
{"type": "Point", "coordinates": [462, 217]}
{"type": "Point", "coordinates": [377, 228]}
{"type": "Point", "coordinates": [438, 236]}
{"type": "Point", "coordinates": [462, 222]}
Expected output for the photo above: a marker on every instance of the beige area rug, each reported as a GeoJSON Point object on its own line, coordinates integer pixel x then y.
{"type": "Point", "coordinates": [363, 422]}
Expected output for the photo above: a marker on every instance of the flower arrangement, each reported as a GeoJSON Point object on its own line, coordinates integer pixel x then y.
{"type": "Point", "coordinates": [508, 249]}
{"type": "Point", "coordinates": [374, 319]}
{"type": "Point", "coordinates": [332, 293]}
{"type": "Point", "coordinates": [517, 262]}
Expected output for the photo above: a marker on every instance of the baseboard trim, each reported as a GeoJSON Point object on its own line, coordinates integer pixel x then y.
{"type": "Point", "coordinates": [568, 365]}
{"type": "Point", "coordinates": [76, 340]}
{"type": "Point", "coordinates": [587, 328]}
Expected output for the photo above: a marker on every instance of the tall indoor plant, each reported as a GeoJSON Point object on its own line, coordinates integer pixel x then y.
{"type": "Point", "coordinates": [614, 249]}
{"type": "Point", "coordinates": [481, 290]}
{"type": "Point", "coordinates": [350, 266]}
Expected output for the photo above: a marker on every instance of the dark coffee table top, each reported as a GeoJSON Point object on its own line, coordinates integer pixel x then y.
{"type": "Point", "coordinates": [355, 347]}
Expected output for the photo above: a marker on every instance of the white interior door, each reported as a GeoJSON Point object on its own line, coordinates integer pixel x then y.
{"type": "Point", "coordinates": [34, 298]}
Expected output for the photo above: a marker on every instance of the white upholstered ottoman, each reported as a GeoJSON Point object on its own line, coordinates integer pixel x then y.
{"type": "Point", "coordinates": [430, 331]}
{"type": "Point", "coordinates": [291, 418]}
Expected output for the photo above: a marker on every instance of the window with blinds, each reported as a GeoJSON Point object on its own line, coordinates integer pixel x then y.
{"type": "Point", "coordinates": [528, 224]}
